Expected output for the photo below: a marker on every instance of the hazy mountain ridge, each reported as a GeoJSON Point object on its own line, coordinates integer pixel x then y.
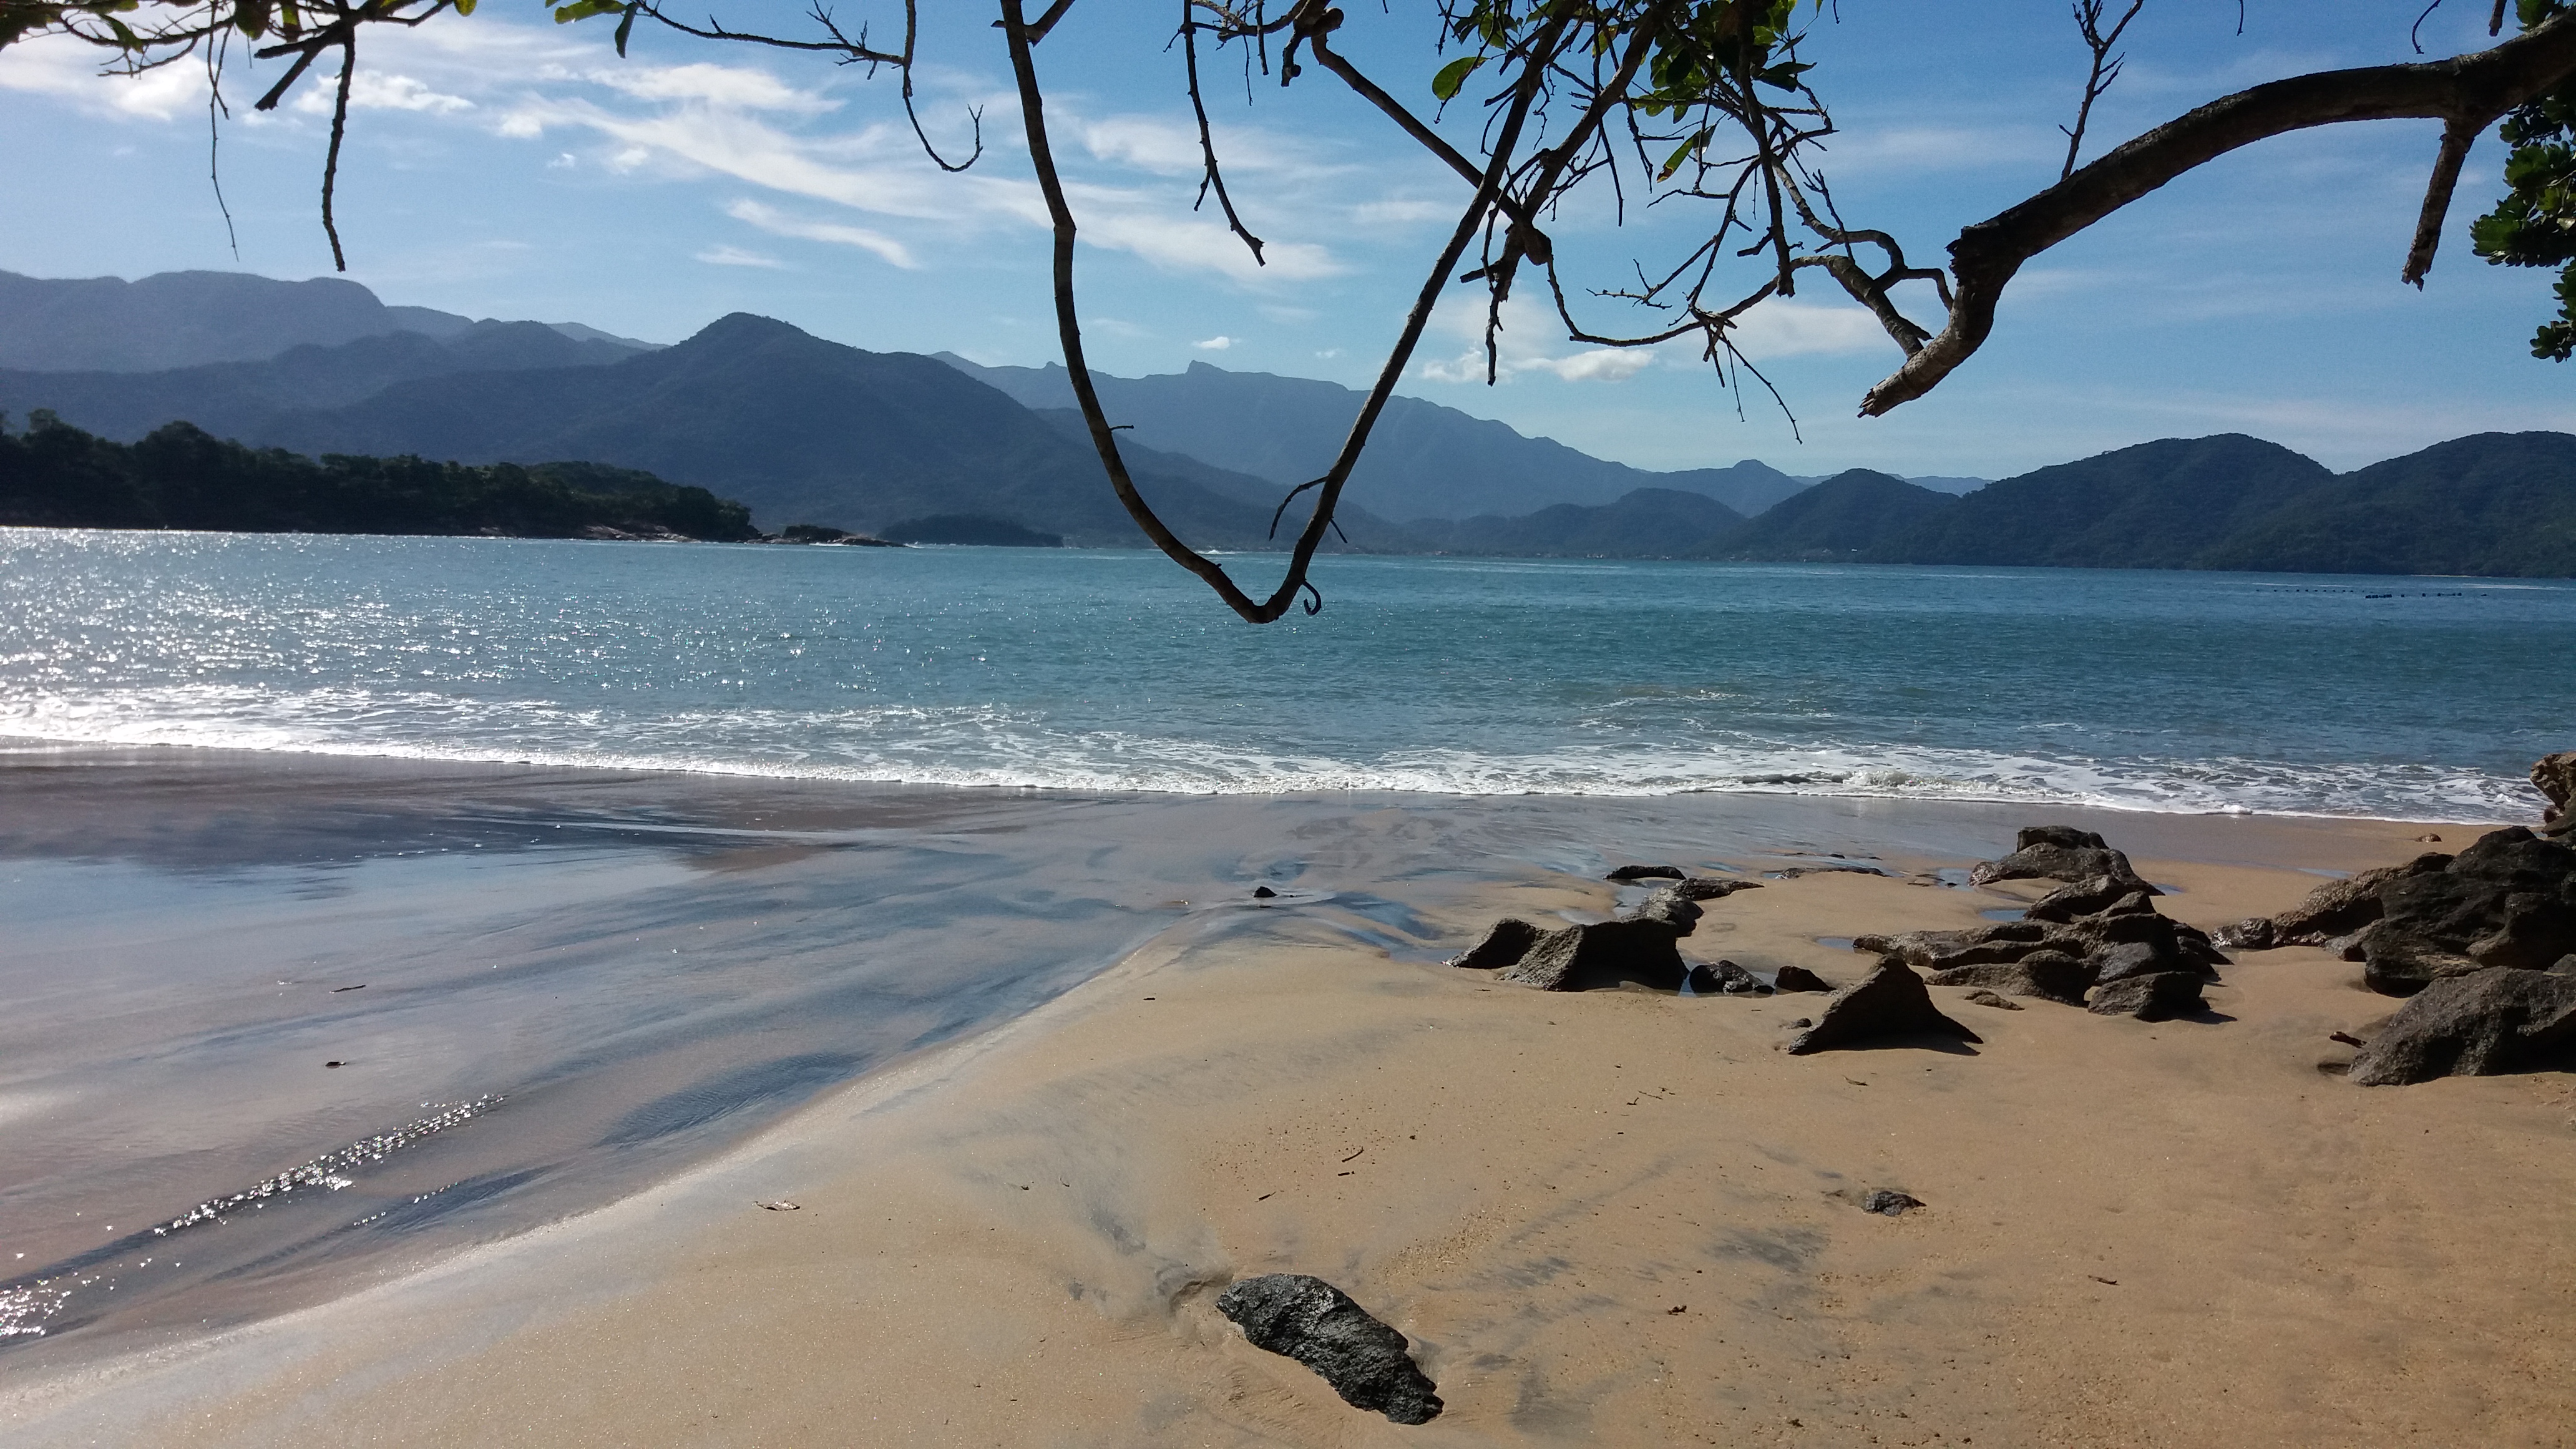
{"type": "Point", "coordinates": [188, 319]}
{"type": "Point", "coordinates": [1423, 460]}
{"type": "Point", "coordinates": [802, 430]}
{"type": "Point", "coordinates": [239, 399]}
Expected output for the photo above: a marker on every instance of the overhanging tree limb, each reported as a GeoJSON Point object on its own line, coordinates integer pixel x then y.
{"type": "Point", "coordinates": [2468, 93]}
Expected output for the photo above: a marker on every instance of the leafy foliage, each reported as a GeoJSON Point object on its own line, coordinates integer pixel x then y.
{"type": "Point", "coordinates": [2535, 224]}
{"type": "Point", "coordinates": [182, 477]}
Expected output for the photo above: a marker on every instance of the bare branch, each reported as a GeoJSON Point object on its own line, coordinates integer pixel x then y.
{"type": "Point", "coordinates": [1214, 177]}
{"type": "Point", "coordinates": [1104, 440]}
{"type": "Point", "coordinates": [339, 128]}
{"type": "Point", "coordinates": [2106, 68]}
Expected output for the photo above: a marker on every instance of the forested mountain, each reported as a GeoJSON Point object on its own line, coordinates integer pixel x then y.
{"type": "Point", "coordinates": [1423, 461]}
{"type": "Point", "coordinates": [56, 475]}
{"type": "Point", "coordinates": [2157, 505]}
{"type": "Point", "coordinates": [2496, 504]}
{"type": "Point", "coordinates": [1846, 516]}
{"type": "Point", "coordinates": [186, 319]}
{"type": "Point", "coordinates": [801, 429]}
{"type": "Point", "coordinates": [2493, 503]}
{"type": "Point", "coordinates": [1647, 523]}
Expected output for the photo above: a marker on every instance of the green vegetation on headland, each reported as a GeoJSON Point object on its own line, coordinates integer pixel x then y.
{"type": "Point", "coordinates": [179, 476]}
{"type": "Point", "coordinates": [2499, 505]}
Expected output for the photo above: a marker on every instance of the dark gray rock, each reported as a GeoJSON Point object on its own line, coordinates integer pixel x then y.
{"type": "Point", "coordinates": [2176, 945]}
{"type": "Point", "coordinates": [1713, 887]}
{"type": "Point", "coordinates": [1668, 907]}
{"type": "Point", "coordinates": [2057, 852]}
{"type": "Point", "coordinates": [1988, 998]}
{"type": "Point", "coordinates": [1508, 941]}
{"type": "Point", "coordinates": [1725, 978]}
{"type": "Point", "coordinates": [2497, 1020]}
{"type": "Point", "coordinates": [2132, 958]}
{"type": "Point", "coordinates": [1264, 893]}
{"type": "Point", "coordinates": [2337, 908]}
{"type": "Point", "coordinates": [2149, 998]}
{"type": "Point", "coordinates": [2092, 896]}
{"type": "Point", "coordinates": [1799, 978]}
{"type": "Point", "coordinates": [2507, 900]}
{"type": "Point", "coordinates": [2048, 975]}
{"type": "Point", "coordinates": [1318, 1325]}
{"type": "Point", "coordinates": [1649, 872]}
{"type": "Point", "coordinates": [1889, 1202]}
{"type": "Point", "coordinates": [1889, 1002]}
{"type": "Point", "coordinates": [1636, 950]}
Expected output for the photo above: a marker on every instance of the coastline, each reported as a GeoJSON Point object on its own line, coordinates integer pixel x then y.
{"type": "Point", "coordinates": [1015, 1237]}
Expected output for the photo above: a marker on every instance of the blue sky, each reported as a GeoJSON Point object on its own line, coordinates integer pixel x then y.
{"type": "Point", "coordinates": [503, 166]}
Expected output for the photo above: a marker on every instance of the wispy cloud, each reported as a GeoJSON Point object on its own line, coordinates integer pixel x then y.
{"type": "Point", "coordinates": [1214, 344]}
{"type": "Point", "coordinates": [778, 223]}
{"type": "Point", "coordinates": [727, 255]}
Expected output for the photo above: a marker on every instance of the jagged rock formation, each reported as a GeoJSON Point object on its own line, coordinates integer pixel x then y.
{"type": "Point", "coordinates": [1889, 1002]}
{"type": "Point", "coordinates": [2059, 852]}
{"type": "Point", "coordinates": [2486, 1022]}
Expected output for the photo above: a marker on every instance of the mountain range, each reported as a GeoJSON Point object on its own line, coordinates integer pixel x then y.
{"type": "Point", "coordinates": [186, 319]}
{"type": "Point", "coordinates": [809, 431]}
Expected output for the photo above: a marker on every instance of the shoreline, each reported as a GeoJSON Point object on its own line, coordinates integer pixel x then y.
{"type": "Point", "coordinates": [217, 755]}
{"type": "Point", "coordinates": [1193, 1101]}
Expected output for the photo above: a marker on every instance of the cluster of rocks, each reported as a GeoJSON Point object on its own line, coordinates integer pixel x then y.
{"type": "Point", "coordinates": [2098, 940]}
{"type": "Point", "coordinates": [1639, 946]}
{"type": "Point", "coordinates": [2482, 944]}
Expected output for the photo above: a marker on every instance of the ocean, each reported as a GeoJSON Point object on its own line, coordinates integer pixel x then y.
{"type": "Point", "coordinates": [1104, 670]}
{"type": "Point", "coordinates": [506, 877]}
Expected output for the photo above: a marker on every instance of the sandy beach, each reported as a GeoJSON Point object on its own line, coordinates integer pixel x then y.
{"type": "Point", "coordinates": [1616, 1216]}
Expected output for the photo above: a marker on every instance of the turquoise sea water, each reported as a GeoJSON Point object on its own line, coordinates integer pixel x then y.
{"type": "Point", "coordinates": [1098, 670]}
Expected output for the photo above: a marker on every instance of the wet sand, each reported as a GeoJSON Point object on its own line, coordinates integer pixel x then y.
{"type": "Point", "coordinates": [1613, 1217]}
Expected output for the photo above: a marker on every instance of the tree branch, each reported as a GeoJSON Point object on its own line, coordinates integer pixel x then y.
{"type": "Point", "coordinates": [2456, 140]}
{"type": "Point", "coordinates": [1016, 33]}
{"type": "Point", "coordinates": [2469, 91]}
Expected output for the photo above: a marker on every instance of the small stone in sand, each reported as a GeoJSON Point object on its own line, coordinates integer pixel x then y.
{"type": "Point", "coordinates": [1317, 1324]}
{"type": "Point", "coordinates": [1988, 998]}
{"type": "Point", "coordinates": [1799, 978]}
{"type": "Point", "coordinates": [1889, 1202]}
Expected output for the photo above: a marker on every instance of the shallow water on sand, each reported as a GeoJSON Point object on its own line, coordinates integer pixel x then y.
{"type": "Point", "coordinates": [546, 987]}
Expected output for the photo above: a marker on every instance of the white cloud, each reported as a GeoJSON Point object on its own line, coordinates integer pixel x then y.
{"type": "Point", "coordinates": [371, 90]}
{"type": "Point", "coordinates": [731, 87]}
{"type": "Point", "coordinates": [1214, 344]}
{"type": "Point", "coordinates": [1530, 340]}
{"type": "Point", "coordinates": [68, 70]}
{"type": "Point", "coordinates": [1791, 328]}
{"type": "Point", "coordinates": [777, 223]}
{"type": "Point", "coordinates": [726, 255]}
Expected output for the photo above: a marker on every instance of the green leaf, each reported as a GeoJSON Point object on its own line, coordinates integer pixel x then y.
{"type": "Point", "coordinates": [1454, 75]}
{"type": "Point", "coordinates": [464, 7]}
{"type": "Point", "coordinates": [1674, 162]}
{"type": "Point", "coordinates": [626, 27]}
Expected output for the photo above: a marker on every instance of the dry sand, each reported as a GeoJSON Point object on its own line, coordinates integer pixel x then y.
{"type": "Point", "coordinates": [1614, 1217]}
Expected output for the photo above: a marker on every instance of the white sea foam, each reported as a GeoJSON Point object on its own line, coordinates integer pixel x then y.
{"type": "Point", "coordinates": [994, 746]}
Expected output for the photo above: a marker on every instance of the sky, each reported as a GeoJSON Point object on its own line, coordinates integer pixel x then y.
{"type": "Point", "coordinates": [502, 166]}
